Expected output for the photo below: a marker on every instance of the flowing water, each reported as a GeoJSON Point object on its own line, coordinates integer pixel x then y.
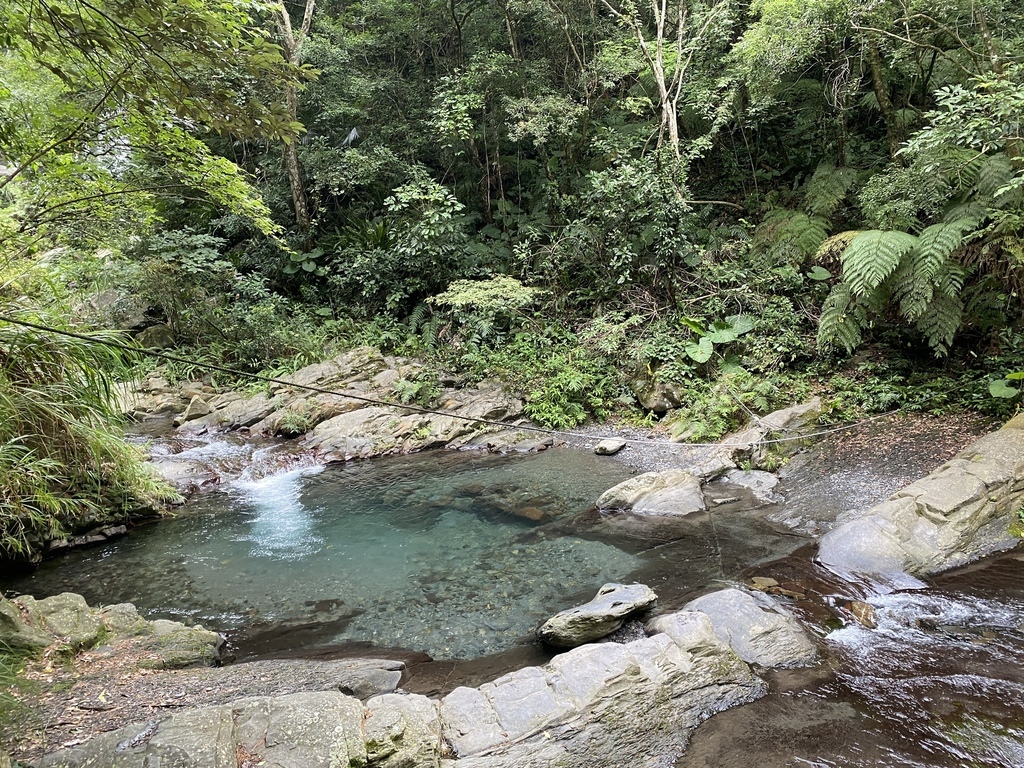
{"type": "Point", "coordinates": [457, 555]}
{"type": "Point", "coordinates": [939, 683]}
{"type": "Point", "coordinates": [461, 555]}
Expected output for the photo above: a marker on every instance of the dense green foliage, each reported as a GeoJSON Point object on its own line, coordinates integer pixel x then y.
{"type": "Point", "coordinates": [735, 201]}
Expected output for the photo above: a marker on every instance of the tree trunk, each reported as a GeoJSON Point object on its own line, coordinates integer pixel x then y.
{"type": "Point", "coordinates": [884, 101]}
{"type": "Point", "coordinates": [293, 49]}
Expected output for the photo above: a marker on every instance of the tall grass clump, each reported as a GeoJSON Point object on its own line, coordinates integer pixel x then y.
{"type": "Point", "coordinates": [63, 466]}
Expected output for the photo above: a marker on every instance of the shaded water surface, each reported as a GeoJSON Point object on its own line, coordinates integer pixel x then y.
{"type": "Point", "coordinates": [458, 555]}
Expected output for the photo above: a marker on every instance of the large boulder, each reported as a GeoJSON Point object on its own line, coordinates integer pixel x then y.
{"type": "Point", "coordinates": [598, 618]}
{"type": "Point", "coordinates": [296, 731]}
{"type": "Point", "coordinates": [65, 616]}
{"type": "Point", "coordinates": [599, 705]}
{"type": "Point", "coordinates": [16, 633]}
{"type": "Point", "coordinates": [750, 445]}
{"type": "Point", "coordinates": [962, 511]}
{"type": "Point", "coordinates": [402, 731]}
{"type": "Point", "coordinates": [173, 645]}
{"type": "Point", "coordinates": [671, 492]}
{"type": "Point", "coordinates": [756, 628]}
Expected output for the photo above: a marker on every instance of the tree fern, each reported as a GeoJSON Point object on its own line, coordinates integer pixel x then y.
{"type": "Point", "coordinates": [994, 174]}
{"type": "Point", "coordinates": [792, 236]}
{"type": "Point", "coordinates": [841, 320]}
{"type": "Point", "coordinates": [828, 188]}
{"type": "Point", "coordinates": [940, 324]}
{"type": "Point", "coordinates": [872, 256]}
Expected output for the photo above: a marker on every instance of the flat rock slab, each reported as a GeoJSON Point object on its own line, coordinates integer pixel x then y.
{"type": "Point", "coordinates": [598, 618]}
{"type": "Point", "coordinates": [672, 492]}
{"type": "Point", "coordinates": [756, 628]}
{"type": "Point", "coordinates": [760, 483]}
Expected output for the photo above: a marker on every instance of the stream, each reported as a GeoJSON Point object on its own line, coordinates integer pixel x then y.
{"type": "Point", "coordinates": [460, 555]}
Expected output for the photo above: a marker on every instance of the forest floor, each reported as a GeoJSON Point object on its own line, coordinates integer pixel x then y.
{"type": "Point", "coordinates": [67, 701]}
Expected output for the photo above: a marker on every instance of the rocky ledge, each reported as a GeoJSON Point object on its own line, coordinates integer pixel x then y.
{"type": "Point", "coordinates": [962, 511]}
{"type": "Point", "coordinates": [66, 621]}
{"type": "Point", "coordinates": [601, 704]}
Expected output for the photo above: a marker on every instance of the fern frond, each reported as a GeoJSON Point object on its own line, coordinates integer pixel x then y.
{"type": "Point", "coordinates": [835, 245]}
{"type": "Point", "coordinates": [994, 174]}
{"type": "Point", "coordinates": [934, 247]}
{"type": "Point", "coordinates": [828, 188]}
{"type": "Point", "coordinates": [968, 215]}
{"type": "Point", "coordinates": [950, 280]}
{"type": "Point", "coordinates": [940, 324]}
{"type": "Point", "coordinates": [792, 236]}
{"type": "Point", "coordinates": [872, 256]}
{"type": "Point", "coordinates": [913, 291]}
{"type": "Point", "coordinates": [420, 313]}
{"type": "Point", "coordinates": [840, 322]}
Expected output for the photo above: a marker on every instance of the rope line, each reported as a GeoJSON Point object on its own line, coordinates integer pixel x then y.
{"type": "Point", "coordinates": [137, 350]}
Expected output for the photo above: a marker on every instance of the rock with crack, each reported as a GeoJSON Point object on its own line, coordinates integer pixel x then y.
{"type": "Point", "coordinates": [962, 511]}
{"type": "Point", "coordinates": [758, 629]}
{"type": "Point", "coordinates": [595, 706]}
{"type": "Point", "coordinates": [598, 618]}
{"type": "Point", "coordinates": [673, 492]}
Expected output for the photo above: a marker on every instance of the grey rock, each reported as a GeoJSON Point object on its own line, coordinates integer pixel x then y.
{"type": "Point", "coordinates": [295, 731]}
{"type": "Point", "coordinates": [301, 730]}
{"type": "Point", "coordinates": [960, 512]}
{"type": "Point", "coordinates": [159, 336]}
{"type": "Point", "coordinates": [364, 678]}
{"type": "Point", "coordinates": [756, 628]}
{"type": "Point", "coordinates": [761, 484]}
{"type": "Point", "coordinates": [402, 731]}
{"type": "Point", "coordinates": [16, 633]}
{"type": "Point", "coordinates": [66, 616]}
{"type": "Point", "coordinates": [608, 704]}
{"type": "Point", "coordinates": [196, 408]}
{"type": "Point", "coordinates": [123, 620]}
{"type": "Point", "coordinates": [234, 414]}
{"type": "Point", "coordinates": [655, 395]}
{"type": "Point", "coordinates": [672, 492]}
{"type": "Point", "coordinates": [609, 447]}
{"type": "Point", "coordinates": [601, 616]}
{"type": "Point", "coordinates": [175, 646]}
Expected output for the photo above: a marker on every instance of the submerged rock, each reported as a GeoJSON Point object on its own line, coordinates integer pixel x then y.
{"type": "Point", "coordinates": [672, 492]}
{"type": "Point", "coordinates": [598, 618]}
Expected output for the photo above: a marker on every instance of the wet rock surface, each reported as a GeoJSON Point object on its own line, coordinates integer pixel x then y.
{"type": "Point", "coordinates": [958, 513]}
{"type": "Point", "coordinates": [757, 628]}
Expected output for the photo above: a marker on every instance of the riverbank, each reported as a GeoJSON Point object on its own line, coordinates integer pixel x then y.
{"type": "Point", "coordinates": [96, 693]}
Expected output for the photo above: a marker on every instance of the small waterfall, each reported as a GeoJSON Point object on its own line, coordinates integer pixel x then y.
{"type": "Point", "coordinates": [282, 526]}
